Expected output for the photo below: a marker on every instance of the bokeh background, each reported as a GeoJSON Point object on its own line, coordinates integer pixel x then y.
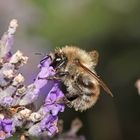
{"type": "Point", "coordinates": [112, 27]}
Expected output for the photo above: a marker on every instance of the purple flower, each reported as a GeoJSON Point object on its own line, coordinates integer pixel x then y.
{"type": "Point", "coordinates": [5, 128]}
{"type": "Point", "coordinates": [51, 101]}
{"type": "Point", "coordinates": [33, 93]}
{"type": "Point", "coordinates": [45, 71]}
{"type": "Point", "coordinates": [49, 124]}
{"type": "Point", "coordinates": [52, 106]}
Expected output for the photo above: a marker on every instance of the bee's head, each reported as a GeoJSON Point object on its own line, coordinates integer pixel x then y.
{"type": "Point", "coordinates": [59, 59]}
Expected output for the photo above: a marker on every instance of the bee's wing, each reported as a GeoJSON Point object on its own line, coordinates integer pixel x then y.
{"type": "Point", "coordinates": [102, 84]}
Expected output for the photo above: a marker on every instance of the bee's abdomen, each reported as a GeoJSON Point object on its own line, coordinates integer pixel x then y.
{"type": "Point", "coordinates": [87, 98]}
{"type": "Point", "coordinates": [82, 92]}
{"type": "Point", "coordinates": [84, 102]}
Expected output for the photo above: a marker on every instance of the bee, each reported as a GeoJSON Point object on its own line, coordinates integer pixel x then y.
{"type": "Point", "coordinates": [76, 69]}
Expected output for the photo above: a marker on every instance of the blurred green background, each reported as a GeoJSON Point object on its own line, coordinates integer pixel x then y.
{"type": "Point", "coordinates": [112, 27]}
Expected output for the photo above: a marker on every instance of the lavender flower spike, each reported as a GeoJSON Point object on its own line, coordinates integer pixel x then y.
{"type": "Point", "coordinates": [15, 97]}
{"type": "Point", "coordinates": [33, 90]}
{"type": "Point", "coordinates": [49, 123]}
{"type": "Point", "coordinates": [7, 40]}
{"type": "Point", "coordinates": [51, 101]}
{"type": "Point", "coordinates": [47, 114]}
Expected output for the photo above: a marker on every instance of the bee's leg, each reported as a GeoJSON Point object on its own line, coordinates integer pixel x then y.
{"type": "Point", "coordinates": [64, 100]}
{"type": "Point", "coordinates": [53, 77]}
{"type": "Point", "coordinates": [70, 98]}
{"type": "Point", "coordinates": [57, 76]}
{"type": "Point", "coordinates": [67, 102]}
{"type": "Point", "coordinates": [61, 74]}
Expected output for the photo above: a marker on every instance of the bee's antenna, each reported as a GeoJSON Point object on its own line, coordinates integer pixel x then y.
{"type": "Point", "coordinates": [38, 53]}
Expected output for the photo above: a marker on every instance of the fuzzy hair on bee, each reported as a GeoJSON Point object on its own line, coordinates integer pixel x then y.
{"type": "Point", "coordinates": [76, 70]}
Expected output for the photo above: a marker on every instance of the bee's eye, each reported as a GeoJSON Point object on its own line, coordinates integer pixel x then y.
{"type": "Point", "coordinates": [58, 59]}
